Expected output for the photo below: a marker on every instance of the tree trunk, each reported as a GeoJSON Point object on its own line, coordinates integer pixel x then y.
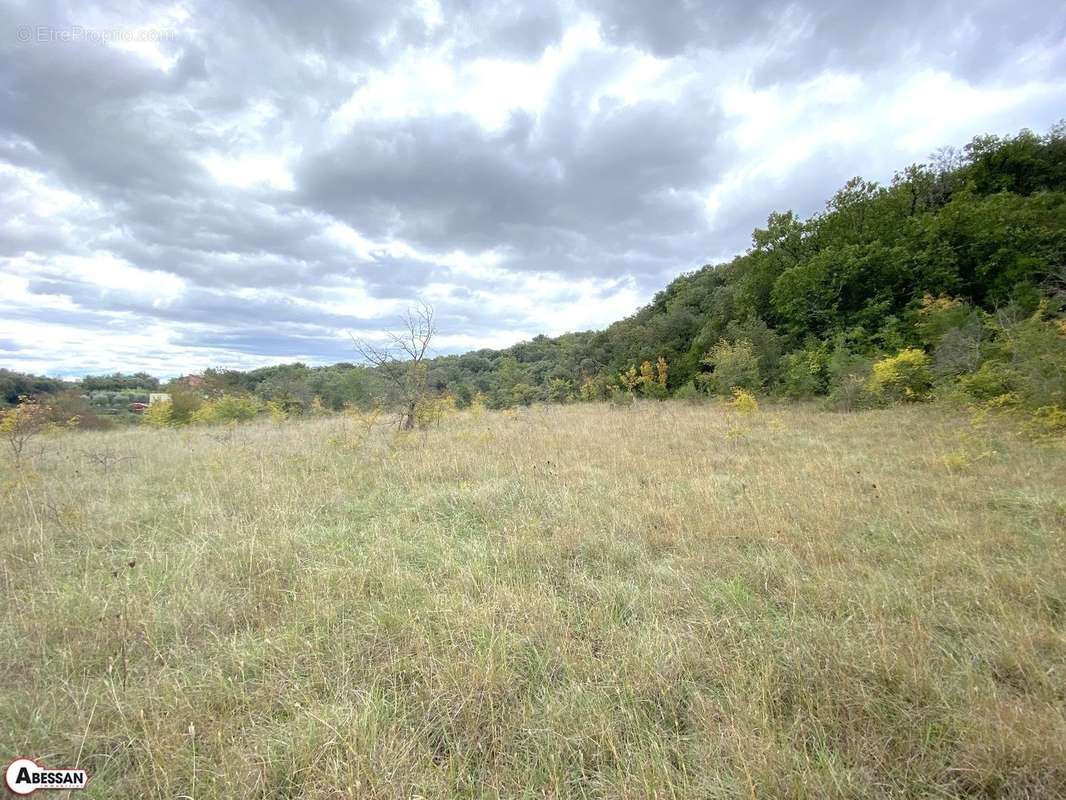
{"type": "Point", "coordinates": [407, 422]}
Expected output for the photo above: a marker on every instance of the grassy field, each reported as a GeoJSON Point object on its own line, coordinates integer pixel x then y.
{"type": "Point", "coordinates": [666, 601]}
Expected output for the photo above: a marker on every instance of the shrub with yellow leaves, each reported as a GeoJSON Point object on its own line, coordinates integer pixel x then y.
{"type": "Point", "coordinates": [20, 424]}
{"type": "Point", "coordinates": [432, 409]}
{"type": "Point", "coordinates": [743, 401]}
{"type": "Point", "coordinates": [159, 415]}
{"type": "Point", "coordinates": [904, 376]}
{"type": "Point", "coordinates": [1047, 422]}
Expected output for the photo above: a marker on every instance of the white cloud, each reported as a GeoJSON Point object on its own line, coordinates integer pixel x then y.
{"type": "Point", "coordinates": [156, 205]}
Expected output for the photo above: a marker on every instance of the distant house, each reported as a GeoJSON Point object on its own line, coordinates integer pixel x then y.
{"type": "Point", "coordinates": [192, 381]}
{"type": "Point", "coordinates": [158, 397]}
{"type": "Point", "coordinates": [138, 408]}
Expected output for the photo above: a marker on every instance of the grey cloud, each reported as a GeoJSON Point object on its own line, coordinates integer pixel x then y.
{"type": "Point", "coordinates": [263, 341]}
{"type": "Point", "coordinates": [509, 28]}
{"type": "Point", "coordinates": [587, 189]}
{"type": "Point", "coordinates": [970, 38]}
{"type": "Point", "coordinates": [569, 194]}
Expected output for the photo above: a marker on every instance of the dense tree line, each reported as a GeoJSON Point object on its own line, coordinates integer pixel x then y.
{"type": "Point", "coordinates": [952, 278]}
{"type": "Point", "coordinates": [964, 255]}
{"type": "Point", "coordinates": [14, 385]}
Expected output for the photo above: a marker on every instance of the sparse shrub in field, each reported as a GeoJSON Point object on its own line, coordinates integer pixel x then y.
{"type": "Point", "coordinates": [366, 419]}
{"type": "Point", "coordinates": [1047, 421]}
{"type": "Point", "coordinates": [227, 408]}
{"type": "Point", "coordinates": [20, 424]}
{"type": "Point", "coordinates": [849, 393]}
{"type": "Point", "coordinates": [804, 373]}
{"type": "Point", "coordinates": [464, 395]}
{"type": "Point", "coordinates": [431, 410]}
{"type": "Point", "coordinates": [477, 405]}
{"type": "Point", "coordinates": [560, 390]}
{"type": "Point", "coordinates": [594, 388]}
{"type": "Point", "coordinates": [688, 393]}
{"type": "Point", "coordinates": [735, 364]}
{"type": "Point", "coordinates": [647, 375]}
{"type": "Point", "coordinates": [957, 461]}
{"type": "Point", "coordinates": [960, 350]}
{"type": "Point", "coordinates": [904, 376]}
{"type": "Point", "coordinates": [69, 405]}
{"type": "Point", "coordinates": [629, 380]}
{"type": "Point", "coordinates": [992, 380]}
{"type": "Point", "coordinates": [159, 415]}
{"type": "Point", "coordinates": [183, 404]}
{"type": "Point", "coordinates": [587, 391]}
{"type": "Point", "coordinates": [278, 410]}
{"type": "Point", "coordinates": [180, 409]}
{"type": "Point", "coordinates": [618, 396]}
{"type": "Point", "coordinates": [653, 378]}
{"type": "Point", "coordinates": [523, 394]}
{"type": "Point", "coordinates": [1038, 360]}
{"type": "Point", "coordinates": [743, 401]}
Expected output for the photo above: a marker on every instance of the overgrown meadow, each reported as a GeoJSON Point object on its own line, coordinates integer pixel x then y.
{"type": "Point", "coordinates": [666, 600]}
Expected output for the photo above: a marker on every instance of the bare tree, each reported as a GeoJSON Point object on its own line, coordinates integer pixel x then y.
{"type": "Point", "coordinates": [401, 360]}
{"type": "Point", "coordinates": [1054, 283]}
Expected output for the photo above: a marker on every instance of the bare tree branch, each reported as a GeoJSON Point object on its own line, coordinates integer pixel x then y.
{"type": "Point", "coordinates": [401, 361]}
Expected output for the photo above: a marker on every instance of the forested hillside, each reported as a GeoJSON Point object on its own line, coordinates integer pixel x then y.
{"type": "Point", "coordinates": [950, 280]}
{"type": "Point", "coordinates": [963, 259]}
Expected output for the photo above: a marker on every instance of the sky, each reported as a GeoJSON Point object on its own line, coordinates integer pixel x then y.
{"type": "Point", "coordinates": [234, 184]}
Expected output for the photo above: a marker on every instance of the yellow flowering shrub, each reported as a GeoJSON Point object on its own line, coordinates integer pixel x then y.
{"type": "Point", "coordinates": [743, 401]}
{"type": "Point", "coordinates": [904, 376]}
{"type": "Point", "coordinates": [159, 415]}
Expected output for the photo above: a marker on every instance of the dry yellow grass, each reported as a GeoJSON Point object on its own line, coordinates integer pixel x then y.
{"type": "Point", "coordinates": [663, 601]}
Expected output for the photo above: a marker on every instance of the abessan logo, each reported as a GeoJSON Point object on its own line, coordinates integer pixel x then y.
{"type": "Point", "coordinates": [25, 777]}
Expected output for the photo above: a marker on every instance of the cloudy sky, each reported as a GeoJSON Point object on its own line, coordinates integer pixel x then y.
{"type": "Point", "coordinates": [236, 183]}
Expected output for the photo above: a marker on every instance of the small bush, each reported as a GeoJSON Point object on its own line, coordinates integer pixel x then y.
{"type": "Point", "coordinates": [743, 401]}
{"type": "Point", "coordinates": [227, 408]}
{"type": "Point", "coordinates": [849, 393]}
{"type": "Point", "coordinates": [20, 424]}
{"type": "Point", "coordinates": [560, 390]}
{"type": "Point", "coordinates": [1038, 348]}
{"type": "Point", "coordinates": [159, 415]}
{"type": "Point", "coordinates": [735, 365]}
{"type": "Point", "coordinates": [804, 374]}
{"type": "Point", "coordinates": [477, 405]}
{"type": "Point", "coordinates": [278, 410]}
{"type": "Point", "coordinates": [1047, 421]}
{"type": "Point", "coordinates": [432, 409]}
{"type": "Point", "coordinates": [653, 378]}
{"type": "Point", "coordinates": [183, 404]}
{"type": "Point", "coordinates": [629, 380]}
{"type": "Point", "coordinates": [904, 376]}
{"type": "Point", "coordinates": [688, 393]}
{"type": "Point", "coordinates": [523, 394]}
{"type": "Point", "coordinates": [620, 397]}
{"type": "Point", "coordinates": [992, 380]}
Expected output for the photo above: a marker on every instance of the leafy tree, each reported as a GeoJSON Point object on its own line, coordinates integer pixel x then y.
{"type": "Point", "coordinates": [735, 365]}
{"type": "Point", "coordinates": [560, 390]}
{"type": "Point", "coordinates": [20, 424]}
